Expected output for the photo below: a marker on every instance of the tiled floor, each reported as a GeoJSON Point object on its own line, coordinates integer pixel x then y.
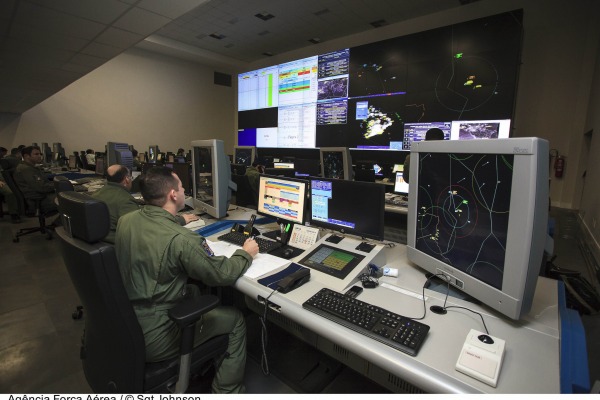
{"type": "Point", "coordinates": [39, 341]}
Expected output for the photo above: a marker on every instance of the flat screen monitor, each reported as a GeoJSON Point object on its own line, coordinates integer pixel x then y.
{"type": "Point", "coordinates": [153, 153]}
{"type": "Point", "coordinates": [283, 165]}
{"type": "Point", "coordinates": [307, 167]}
{"type": "Point", "coordinates": [184, 172]}
{"type": "Point", "coordinates": [244, 155]}
{"type": "Point", "coordinates": [336, 163]}
{"type": "Point", "coordinates": [400, 185]}
{"type": "Point", "coordinates": [480, 129]}
{"type": "Point", "coordinates": [283, 198]}
{"type": "Point", "coordinates": [212, 184]}
{"type": "Point", "coordinates": [479, 217]}
{"type": "Point", "coordinates": [349, 207]}
{"type": "Point", "coordinates": [72, 162]}
{"type": "Point", "coordinates": [100, 165]}
{"type": "Point", "coordinates": [415, 132]}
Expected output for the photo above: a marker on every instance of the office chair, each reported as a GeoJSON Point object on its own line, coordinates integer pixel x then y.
{"type": "Point", "coordinates": [28, 208]}
{"type": "Point", "coordinates": [113, 349]}
{"type": "Point", "coordinates": [62, 184]}
{"type": "Point", "coordinates": [83, 159]}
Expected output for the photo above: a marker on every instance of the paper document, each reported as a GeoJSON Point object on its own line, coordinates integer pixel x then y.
{"type": "Point", "coordinates": [262, 263]}
{"type": "Point", "coordinates": [199, 223]}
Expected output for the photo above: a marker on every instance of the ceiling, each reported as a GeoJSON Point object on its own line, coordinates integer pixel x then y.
{"type": "Point", "coordinates": [45, 45]}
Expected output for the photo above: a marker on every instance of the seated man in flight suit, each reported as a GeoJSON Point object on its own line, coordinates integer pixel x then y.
{"type": "Point", "coordinates": [33, 182]}
{"type": "Point", "coordinates": [157, 256]}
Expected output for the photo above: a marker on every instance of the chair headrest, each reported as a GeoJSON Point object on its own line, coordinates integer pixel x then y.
{"type": "Point", "coordinates": [83, 216]}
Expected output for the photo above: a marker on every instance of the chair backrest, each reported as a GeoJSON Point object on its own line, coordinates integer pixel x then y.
{"type": "Point", "coordinates": [113, 350]}
{"type": "Point", "coordinates": [83, 160]}
{"type": "Point", "coordinates": [22, 204]}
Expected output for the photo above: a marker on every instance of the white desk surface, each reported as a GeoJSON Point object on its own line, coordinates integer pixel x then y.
{"type": "Point", "coordinates": [532, 356]}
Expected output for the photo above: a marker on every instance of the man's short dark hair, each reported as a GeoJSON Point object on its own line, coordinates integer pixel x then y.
{"type": "Point", "coordinates": [118, 176]}
{"type": "Point", "coordinates": [434, 134]}
{"type": "Point", "coordinates": [156, 183]}
{"type": "Point", "coordinates": [27, 150]}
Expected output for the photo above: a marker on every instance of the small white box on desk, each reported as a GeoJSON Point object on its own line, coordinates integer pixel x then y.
{"type": "Point", "coordinates": [481, 357]}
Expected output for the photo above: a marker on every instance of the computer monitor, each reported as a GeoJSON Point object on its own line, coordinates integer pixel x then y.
{"type": "Point", "coordinates": [244, 155]}
{"type": "Point", "coordinates": [283, 165]}
{"type": "Point", "coordinates": [400, 185]}
{"type": "Point", "coordinates": [100, 167]}
{"type": "Point", "coordinates": [415, 132]}
{"type": "Point", "coordinates": [119, 153]}
{"type": "Point", "coordinates": [46, 153]}
{"type": "Point", "coordinates": [480, 129]}
{"type": "Point", "coordinates": [349, 207]}
{"type": "Point", "coordinates": [212, 184]}
{"type": "Point", "coordinates": [152, 153]}
{"type": "Point", "coordinates": [184, 172]}
{"type": "Point", "coordinates": [479, 217]}
{"type": "Point", "coordinates": [283, 198]}
{"type": "Point", "coordinates": [364, 171]}
{"type": "Point", "coordinates": [72, 162]}
{"type": "Point", "coordinates": [289, 172]}
{"type": "Point", "coordinates": [336, 163]}
{"type": "Point", "coordinates": [307, 167]}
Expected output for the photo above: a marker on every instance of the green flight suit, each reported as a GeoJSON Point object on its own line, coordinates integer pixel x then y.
{"type": "Point", "coordinates": [35, 185]}
{"type": "Point", "coordinates": [156, 256]}
{"type": "Point", "coordinates": [253, 179]}
{"type": "Point", "coordinates": [119, 202]}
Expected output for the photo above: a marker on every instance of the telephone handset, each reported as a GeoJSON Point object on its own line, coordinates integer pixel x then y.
{"type": "Point", "coordinates": [250, 230]}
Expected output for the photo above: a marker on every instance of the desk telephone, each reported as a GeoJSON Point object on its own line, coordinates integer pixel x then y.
{"type": "Point", "coordinates": [248, 230]}
{"type": "Point", "coordinates": [293, 280]}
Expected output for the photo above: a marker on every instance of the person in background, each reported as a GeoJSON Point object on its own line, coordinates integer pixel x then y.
{"type": "Point", "coordinates": [181, 152]}
{"type": "Point", "coordinates": [90, 157]}
{"type": "Point", "coordinates": [431, 134]}
{"type": "Point", "coordinates": [34, 183]}
{"type": "Point", "coordinates": [10, 198]}
{"type": "Point", "coordinates": [116, 194]}
{"type": "Point", "coordinates": [137, 165]}
{"type": "Point", "coordinates": [253, 173]}
{"type": "Point", "coordinates": [157, 257]}
{"type": "Point", "coordinates": [3, 152]}
{"type": "Point", "coordinates": [14, 158]}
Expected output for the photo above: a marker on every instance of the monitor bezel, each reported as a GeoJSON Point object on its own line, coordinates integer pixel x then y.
{"type": "Point", "coordinates": [362, 187]}
{"type": "Point", "coordinates": [305, 210]}
{"type": "Point", "coordinates": [527, 224]}
{"type": "Point", "coordinates": [252, 150]}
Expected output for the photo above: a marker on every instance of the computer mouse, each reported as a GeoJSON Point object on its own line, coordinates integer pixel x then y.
{"type": "Point", "coordinates": [287, 253]}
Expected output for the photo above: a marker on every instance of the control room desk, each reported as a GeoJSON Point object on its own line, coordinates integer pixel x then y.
{"type": "Point", "coordinates": [532, 359]}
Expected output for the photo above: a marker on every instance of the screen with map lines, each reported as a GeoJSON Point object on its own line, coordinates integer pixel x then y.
{"type": "Point", "coordinates": [462, 216]}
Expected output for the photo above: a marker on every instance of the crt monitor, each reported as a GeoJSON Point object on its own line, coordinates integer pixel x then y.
{"type": "Point", "coordinates": [479, 217]}
{"type": "Point", "coordinates": [119, 153]}
{"type": "Point", "coordinates": [415, 132]}
{"type": "Point", "coordinates": [349, 207]}
{"type": "Point", "coordinates": [336, 163]}
{"type": "Point", "coordinates": [72, 162]}
{"type": "Point", "coordinates": [283, 198]}
{"type": "Point", "coordinates": [480, 129]}
{"type": "Point", "coordinates": [211, 184]}
{"type": "Point", "coordinates": [244, 155]}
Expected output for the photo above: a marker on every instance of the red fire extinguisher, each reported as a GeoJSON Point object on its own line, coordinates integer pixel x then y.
{"type": "Point", "coordinates": [559, 166]}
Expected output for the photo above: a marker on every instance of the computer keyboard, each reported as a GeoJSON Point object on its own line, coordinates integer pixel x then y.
{"type": "Point", "coordinates": [84, 180]}
{"type": "Point", "coordinates": [238, 238]}
{"type": "Point", "coordinates": [394, 330]}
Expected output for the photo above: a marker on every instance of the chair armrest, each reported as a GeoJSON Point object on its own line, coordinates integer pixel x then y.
{"type": "Point", "coordinates": [190, 311]}
{"type": "Point", "coordinates": [186, 314]}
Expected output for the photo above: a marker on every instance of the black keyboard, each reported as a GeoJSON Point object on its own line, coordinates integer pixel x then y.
{"type": "Point", "coordinates": [238, 238]}
{"type": "Point", "coordinates": [394, 330]}
{"type": "Point", "coordinates": [84, 180]}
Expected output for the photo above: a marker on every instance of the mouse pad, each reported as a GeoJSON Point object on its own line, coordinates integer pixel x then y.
{"type": "Point", "coordinates": [271, 280]}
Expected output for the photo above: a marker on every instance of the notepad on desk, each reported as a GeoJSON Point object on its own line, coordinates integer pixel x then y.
{"type": "Point", "coordinates": [262, 264]}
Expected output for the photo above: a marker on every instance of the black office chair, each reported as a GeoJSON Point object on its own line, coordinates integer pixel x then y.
{"type": "Point", "coordinates": [28, 208]}
{"type": "Point", "coordinates": [62, 184]}
{"type": "Point", "coordinates": [113, 349]}
{"type": "Point", "coordinates": [245, 196]}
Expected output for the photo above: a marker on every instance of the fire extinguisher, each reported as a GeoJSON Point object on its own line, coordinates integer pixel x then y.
{"type": "Point", "coordinates": [559, 166]}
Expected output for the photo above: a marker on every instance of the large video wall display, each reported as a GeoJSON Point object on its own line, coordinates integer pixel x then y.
{"type": "Point", "coordinates": [361, 97]}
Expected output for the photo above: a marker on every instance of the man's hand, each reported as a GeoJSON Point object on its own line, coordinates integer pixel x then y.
{"type": "Point", "coordinates": [189, 218]}
{"type": "Point", "coordinates": [1, 184]}
{"type": "Point", "coordinates": [251, 247]}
